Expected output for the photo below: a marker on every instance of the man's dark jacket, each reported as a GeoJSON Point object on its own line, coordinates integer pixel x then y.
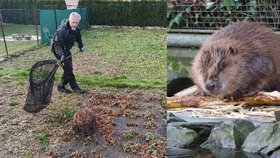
{"type": "Point", "coordinates": [65, 38]}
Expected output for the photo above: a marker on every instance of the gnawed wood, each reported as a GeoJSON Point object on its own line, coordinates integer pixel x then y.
{"type": "Point", "coordinates": [190, 100]}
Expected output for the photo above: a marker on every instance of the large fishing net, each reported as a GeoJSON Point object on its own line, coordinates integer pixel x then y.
{"type": "Point", "coordinates": [41, 80]}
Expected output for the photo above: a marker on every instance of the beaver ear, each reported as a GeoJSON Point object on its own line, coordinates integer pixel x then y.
{"type": "Point", "coordinates": [232, 50]}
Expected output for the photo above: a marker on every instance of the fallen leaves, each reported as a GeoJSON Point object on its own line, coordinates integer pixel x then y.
{"type": "Point", "coordinates": [126, 119]}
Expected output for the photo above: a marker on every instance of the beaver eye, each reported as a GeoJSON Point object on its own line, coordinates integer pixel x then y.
{"type": "Point", "coordinates": [214, 77]}
{"type": "Point", "coordinates": [221, 67]}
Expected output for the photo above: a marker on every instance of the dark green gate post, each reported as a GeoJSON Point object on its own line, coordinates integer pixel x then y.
{"type": "Point", "coordinates": [48, 25]}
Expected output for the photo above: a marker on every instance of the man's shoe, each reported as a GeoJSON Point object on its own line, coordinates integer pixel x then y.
{"type": "Point", "coordinates": [79, 90]}
{"type": "Point", "coordinates": [63, 90]}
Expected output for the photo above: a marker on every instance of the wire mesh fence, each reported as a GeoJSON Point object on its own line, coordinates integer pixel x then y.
{"type": "Point", "coordinates": [19, 30]}
{"type": "Point", "coordinates": [213, 14]}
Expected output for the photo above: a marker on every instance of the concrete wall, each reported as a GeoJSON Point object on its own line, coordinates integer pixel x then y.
{"type": "Point", "coordinates": [186, 40]}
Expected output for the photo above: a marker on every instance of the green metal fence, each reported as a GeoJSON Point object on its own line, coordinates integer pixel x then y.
{"type": "Point", "coordinates": [51, 19]}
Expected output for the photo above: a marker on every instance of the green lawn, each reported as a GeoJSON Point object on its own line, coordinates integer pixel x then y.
{"type": "Point", "coordinates": [10, 29]}
{"type": "Point", "coordinates": [143, 52]}
{"type": "Point", "coordinates": [119, 58]}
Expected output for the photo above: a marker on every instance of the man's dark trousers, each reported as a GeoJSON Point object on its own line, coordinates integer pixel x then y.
{"type": "Point", "coordinates": [68, 75]}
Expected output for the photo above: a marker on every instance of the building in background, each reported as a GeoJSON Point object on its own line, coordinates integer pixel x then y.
{"type": "Point", "coordinates": [72, 4]}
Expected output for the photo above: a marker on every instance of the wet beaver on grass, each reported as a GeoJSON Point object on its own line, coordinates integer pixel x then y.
{"type": "Point", "coordinates": [238, 60]}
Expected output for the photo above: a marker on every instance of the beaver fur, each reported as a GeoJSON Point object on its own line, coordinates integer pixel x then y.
{"type": "Point", "coordinates": [238, 60]}
{"type": "Point", "coordinates": [85, 120]}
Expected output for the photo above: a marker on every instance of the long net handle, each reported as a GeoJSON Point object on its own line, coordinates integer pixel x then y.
{"type": "Point", "coordinates": [60, 61]}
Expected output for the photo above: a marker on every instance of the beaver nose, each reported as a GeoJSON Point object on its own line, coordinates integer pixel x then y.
{"type": "Point", "coordinates": [210, 86]}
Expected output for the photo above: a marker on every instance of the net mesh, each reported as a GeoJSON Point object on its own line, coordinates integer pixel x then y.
{"type": "Point", "coordinates": [41, 80]}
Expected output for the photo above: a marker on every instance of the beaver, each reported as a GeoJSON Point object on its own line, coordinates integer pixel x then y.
{"type": "Point", "coordinates": [85, 120]}
{"type": "Point", "coordinates": [238, 60]}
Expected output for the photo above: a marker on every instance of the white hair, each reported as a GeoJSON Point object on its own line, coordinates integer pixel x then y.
{"type": "Point", "coordinates": [75, 14]}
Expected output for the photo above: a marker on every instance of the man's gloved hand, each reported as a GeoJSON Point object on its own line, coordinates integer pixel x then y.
{"type": "Point", "coordinates": [62, 58]}
{"type": "Point", "coordinates": [82, 49]}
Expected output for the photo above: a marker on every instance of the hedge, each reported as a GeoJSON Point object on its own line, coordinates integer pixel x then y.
{"type": "Point", "coordinates": [134, 13]}
{"type": "Point", "coordinates": [19, 16]}
{"type": "Point", "coordinates": [22, 11]}
{"type": "Point", "coordinates": [30, 4]}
